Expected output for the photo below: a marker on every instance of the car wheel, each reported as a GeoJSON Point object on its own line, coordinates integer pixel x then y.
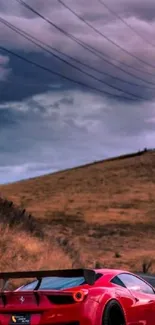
{"type": "Point", "coordinates": [113, 314]}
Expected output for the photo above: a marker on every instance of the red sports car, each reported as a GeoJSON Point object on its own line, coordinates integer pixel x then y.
{"type": "Point", "coordinates": [78, 297]}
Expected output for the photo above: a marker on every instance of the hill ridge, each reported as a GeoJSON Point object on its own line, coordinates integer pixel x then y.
{"type": "Point", "coordinates": [115, 158]}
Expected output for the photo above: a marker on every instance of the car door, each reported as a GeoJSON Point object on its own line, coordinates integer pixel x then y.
{"type": "Point", "coordinates": [142, 311]}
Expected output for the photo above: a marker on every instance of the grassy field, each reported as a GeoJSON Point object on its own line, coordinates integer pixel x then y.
{"type": "Point", "coordinates": [99, 214]}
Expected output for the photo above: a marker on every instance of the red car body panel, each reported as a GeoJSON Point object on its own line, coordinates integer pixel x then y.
{"type": "Point", "coordinates": [55, 307]}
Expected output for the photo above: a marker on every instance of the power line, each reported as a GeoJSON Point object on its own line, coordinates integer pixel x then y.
{"type": "Point", "coordinates": [76, 60]}
{"type": "Point", "coordinates": [124, 22]}
{"type": "Point", "coordinates": [5, 22]}
{"type": "Point", "coordinates": [90, 47]}
{"type": "Point", "coordinates": [85, 46]}
{"type": "Point", "coordinates": [95, 69]}
{"type": "Point", "coordinates": [104, 36]}
{"type": "Point", "coordinates": [17, 30]}
{"type": "Point", "coordinates": [63, 76]}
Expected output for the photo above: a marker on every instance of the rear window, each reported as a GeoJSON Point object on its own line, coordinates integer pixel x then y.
{"type": "Point", "coordinates": [55, 283]}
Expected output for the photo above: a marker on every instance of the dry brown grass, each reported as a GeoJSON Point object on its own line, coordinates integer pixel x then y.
{"type": "Point", "coordinates": [102, 212]}
{"type": "Point", "coordinates": [20, 251]}
{"type": "Point", "coordinates": [24, 244]}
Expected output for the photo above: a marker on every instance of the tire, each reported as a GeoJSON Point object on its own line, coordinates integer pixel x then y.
{"type": "Point", "coordinates": [113, 314]}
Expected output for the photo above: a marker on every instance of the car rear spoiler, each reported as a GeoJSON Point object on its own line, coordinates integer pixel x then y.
{"type": "Point", "coordinates": [89, 275]}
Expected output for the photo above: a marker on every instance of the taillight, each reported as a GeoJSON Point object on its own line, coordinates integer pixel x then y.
{"type": "Point", "coordinates": [79, 295]}
{"type": "Point", "coordinates": [70, 298]}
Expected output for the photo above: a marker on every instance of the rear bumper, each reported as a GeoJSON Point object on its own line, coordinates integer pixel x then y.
{"type": "Point", "coordinates": [81, 321]}
{"type": "Point", "coordinates": [80, 314]}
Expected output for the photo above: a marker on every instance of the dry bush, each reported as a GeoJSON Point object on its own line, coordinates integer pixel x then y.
{"type": "Point", "coordinates": [21, 251]}
{"type": "Point", "coordinates": [147, 265]}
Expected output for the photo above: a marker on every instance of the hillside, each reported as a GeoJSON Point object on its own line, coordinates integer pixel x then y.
{"type": "Point", "coordinates": [102, 212]}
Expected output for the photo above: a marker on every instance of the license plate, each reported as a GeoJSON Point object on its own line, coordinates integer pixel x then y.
{"type": "Point", "coordinates": [20, 319]}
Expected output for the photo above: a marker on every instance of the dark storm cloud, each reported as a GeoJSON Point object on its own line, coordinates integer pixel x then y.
{"type": "Point", "coordinates": [25, 80]}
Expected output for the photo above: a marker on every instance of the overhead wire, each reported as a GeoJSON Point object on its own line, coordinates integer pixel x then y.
{"type": "Point", "coordinates": [104, 55]}
{"type": "Point", "coordinates": [5, 22]}
{"type": "Point", "coordinates": [2, 48]}
{"type": "Point", "coordinates": [104, 36]}
{"type": "Point", "coordinates": [125, 22]}
{"type": "Point", "coordinates": [80, 42]}
{"type": "Point", "coordinates": [20, 32]}
{"type": "Point", "coordinates": [87, 47]}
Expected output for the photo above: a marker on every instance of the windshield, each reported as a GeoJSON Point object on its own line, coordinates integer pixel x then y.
{"type": "Point", "coordinates": [55, 283]}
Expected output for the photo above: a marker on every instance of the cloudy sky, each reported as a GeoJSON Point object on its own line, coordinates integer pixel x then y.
{"type": "Point", "coordinates": [47, 122]}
